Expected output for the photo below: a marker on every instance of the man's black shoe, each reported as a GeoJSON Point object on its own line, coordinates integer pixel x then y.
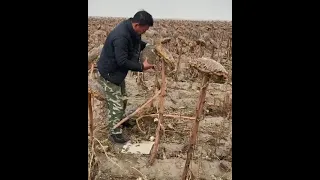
{"type": "Point", "coordinates": [130, 123]}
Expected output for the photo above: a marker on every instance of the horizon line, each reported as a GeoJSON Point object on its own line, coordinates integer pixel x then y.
{"type": "Point", "coordinates": [177, 19]}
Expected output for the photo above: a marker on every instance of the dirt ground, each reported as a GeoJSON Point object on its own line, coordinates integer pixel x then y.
{"type": "Point", "coordinates": [213, 155]}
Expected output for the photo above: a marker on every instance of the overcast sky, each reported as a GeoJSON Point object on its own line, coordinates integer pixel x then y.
{"type": "Point", "coordinates": [173, 9]}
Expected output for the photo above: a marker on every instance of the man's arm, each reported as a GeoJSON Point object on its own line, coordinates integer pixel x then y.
{"type": "Point", "coordinates": [121, 53]}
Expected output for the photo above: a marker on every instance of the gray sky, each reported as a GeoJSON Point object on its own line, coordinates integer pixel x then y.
{"type": "Point", "coordinates": [173, 9]}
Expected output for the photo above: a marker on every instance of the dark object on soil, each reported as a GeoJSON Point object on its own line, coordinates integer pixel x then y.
{"type": "Point", "coordinates": [118, 138]}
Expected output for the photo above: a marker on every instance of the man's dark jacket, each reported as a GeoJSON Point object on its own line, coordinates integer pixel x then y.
{"type": "Point", "coordinates": [121, 53]}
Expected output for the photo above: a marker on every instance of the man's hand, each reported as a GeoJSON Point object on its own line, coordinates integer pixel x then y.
{"type": "Point", "coordinates": [146, 65]}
